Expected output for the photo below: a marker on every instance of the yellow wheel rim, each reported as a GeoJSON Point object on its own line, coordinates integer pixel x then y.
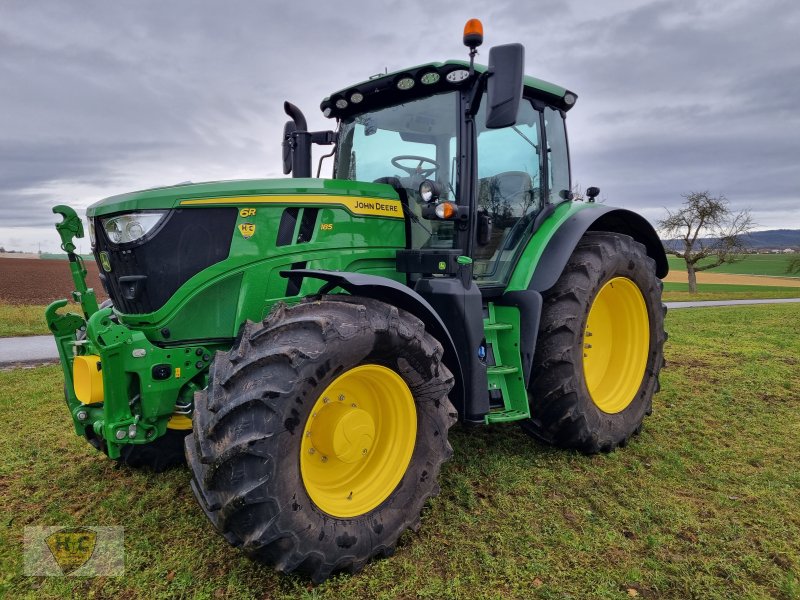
{"type": "Point", "coordinates": [358, 441]}
{"type": "Point", "coordinates": [615, 345]}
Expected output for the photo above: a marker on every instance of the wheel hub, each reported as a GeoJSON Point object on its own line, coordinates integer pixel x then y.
{"type": "Point", "coordinates": [343, 431]}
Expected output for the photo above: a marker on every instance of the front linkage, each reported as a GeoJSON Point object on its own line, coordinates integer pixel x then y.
{"type": "Point", "coordinates": [120, 389]}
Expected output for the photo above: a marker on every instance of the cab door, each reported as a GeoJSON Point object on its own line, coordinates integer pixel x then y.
{"type": "Point", "coordinates": [511, 190]}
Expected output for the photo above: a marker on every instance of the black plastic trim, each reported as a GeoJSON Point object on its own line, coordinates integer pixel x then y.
{"type": "Point", "coordinates": [399, 295]}
{"type": "Point", "coordinates": [529, 303]}
{"type": "Point", "coordinates": [599, 218]}
{"type": "Point", "coordinates": [294, 283]}
{"type": "Point", "coordinates": [145, 275]}
{"type": "Point", "coordinates": [286, 226]}
{"type": "Point", "coordinates": [307, 225]}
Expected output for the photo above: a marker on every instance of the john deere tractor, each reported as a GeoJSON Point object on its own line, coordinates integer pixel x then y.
{"type": "Point", "coordinates": [311, 341]}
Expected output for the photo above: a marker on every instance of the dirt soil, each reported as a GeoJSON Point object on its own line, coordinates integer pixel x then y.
{"type": "Point", "coordinates": [731, 279]}
{"type": "Point", "coordinates": [41, 281]}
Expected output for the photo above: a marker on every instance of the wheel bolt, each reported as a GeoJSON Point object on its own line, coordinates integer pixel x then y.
{"type": "Point", "coordinates": [311, 450]}
{"type": "Point", "coordinates": [324, 459]}
{"type": "Point", "coordinates": [364, 452]}
{"type": "Point", "coordinates": [353, 405]}
{"type": "Point", "coordinates": [325, 400]}
{"type": "Point", "coordinates": [308, 434]}
{"type": "Point", "coordinates": [341, 397]}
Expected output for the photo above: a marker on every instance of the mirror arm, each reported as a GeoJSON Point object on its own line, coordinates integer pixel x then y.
{"type": "Point", "coordinates": [323, 157]}
{"type": "Point", "coordinates": [476, 94]}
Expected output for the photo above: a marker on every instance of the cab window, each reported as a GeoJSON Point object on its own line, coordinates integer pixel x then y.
{"type": "Point", "coordinates": [558, 156]}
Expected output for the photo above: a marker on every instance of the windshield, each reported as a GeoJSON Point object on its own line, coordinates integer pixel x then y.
{"type": "Point", "coordinates": [410, 142]}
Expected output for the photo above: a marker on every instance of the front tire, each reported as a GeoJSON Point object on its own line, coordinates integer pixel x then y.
{"type": "Point", "coordinates": [321, 434]}
{"type": "Point", "coordinates": [600, 347]}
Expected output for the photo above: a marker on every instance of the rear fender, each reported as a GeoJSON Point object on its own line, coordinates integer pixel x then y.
{"type": "Point", "coordinates": [554, 258]}
{"type": "Point", "coordinates": [601, 218]}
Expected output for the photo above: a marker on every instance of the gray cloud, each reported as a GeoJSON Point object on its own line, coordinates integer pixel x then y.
{"type": "Point", "coordinates": [110, 97]}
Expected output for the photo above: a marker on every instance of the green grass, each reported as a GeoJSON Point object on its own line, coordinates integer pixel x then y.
{"type": "Point", "coordinates": [676, 292]}
{"type": "Point", "coordinates": [774, 265]}
{"type": "Point", "coordinates": [702, 504]}
{"type": "Point", "coordinates": [22, 319]}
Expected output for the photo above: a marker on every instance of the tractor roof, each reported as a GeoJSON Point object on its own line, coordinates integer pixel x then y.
{"type": "Point", "coordinates": [425, 80]}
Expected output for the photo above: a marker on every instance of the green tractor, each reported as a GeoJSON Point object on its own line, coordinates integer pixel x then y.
{"type": "Point", "coordinates": [310, 342]}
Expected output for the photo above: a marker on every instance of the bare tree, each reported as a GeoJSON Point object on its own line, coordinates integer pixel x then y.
{"type": "Point", "coordinates": [706, 228]}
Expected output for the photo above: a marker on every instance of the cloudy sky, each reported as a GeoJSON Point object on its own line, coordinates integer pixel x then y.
{"type": "Point", "coordinates": [100, 97]}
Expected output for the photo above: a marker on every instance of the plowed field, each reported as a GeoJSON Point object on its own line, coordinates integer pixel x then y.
{"type": "Point", "coordinates": [41, 281]}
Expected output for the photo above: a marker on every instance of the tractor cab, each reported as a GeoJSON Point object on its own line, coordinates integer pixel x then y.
{"type": "Point", "coordinates": [475, 154]}
{"type": "Point", "coordinates": [414, 146]}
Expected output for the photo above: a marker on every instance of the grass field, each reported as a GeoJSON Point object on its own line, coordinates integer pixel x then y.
{"type": "Point", "coordinates": [22, 319]}
{"type": "Point", "coordinates": [703, 504]}
{"type": "Point", "coordinates": [774, 265]}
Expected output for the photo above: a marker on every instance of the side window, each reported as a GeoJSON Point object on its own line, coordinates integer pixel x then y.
{"type": "Point", "coordinates": [558, 157]}
{"type": "Point", "coordinates": [509, 189]}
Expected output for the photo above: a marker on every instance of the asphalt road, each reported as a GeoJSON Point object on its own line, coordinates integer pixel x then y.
{"type": "Point", "coordinates": [41, 349]}
{"type": "Point", "coordinates": [708, 303]}
{"type": "Point", "coordinates": [28, 351]}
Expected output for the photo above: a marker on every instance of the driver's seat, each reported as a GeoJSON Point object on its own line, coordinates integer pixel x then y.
{"type": "Point", "coordinates": [507, 197]}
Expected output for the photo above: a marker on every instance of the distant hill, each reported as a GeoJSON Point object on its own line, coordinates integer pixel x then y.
{"type": "Point", "coordinates": [774, 238]}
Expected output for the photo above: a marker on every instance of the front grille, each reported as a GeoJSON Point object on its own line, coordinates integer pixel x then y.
{"type": "Point", "coordinates": [145, 274]}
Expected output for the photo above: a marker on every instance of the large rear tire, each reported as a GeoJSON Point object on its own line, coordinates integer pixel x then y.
{"type": "Point", "coordinates": [600, 347]}
{"type": "Point", "coordinates": [321, 434]}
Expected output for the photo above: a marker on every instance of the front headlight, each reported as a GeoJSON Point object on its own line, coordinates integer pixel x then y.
{"type": "Point", "coordinates": [128, 228]}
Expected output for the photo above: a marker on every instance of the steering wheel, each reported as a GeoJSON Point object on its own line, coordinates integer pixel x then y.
{"type": "Point", "coordinates": [418, 170]}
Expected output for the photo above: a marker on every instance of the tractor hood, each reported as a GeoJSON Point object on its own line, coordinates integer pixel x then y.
{"type": "Point", "coordinates": [176, 195]}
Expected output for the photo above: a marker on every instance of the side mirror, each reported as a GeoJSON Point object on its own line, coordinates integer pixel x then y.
{"type": "Point", "coordinates": [506, 70]}
{"type": "Point", "coordinates": [484, 231]}
{"type": "Point", "coordinates": [288, 146]}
